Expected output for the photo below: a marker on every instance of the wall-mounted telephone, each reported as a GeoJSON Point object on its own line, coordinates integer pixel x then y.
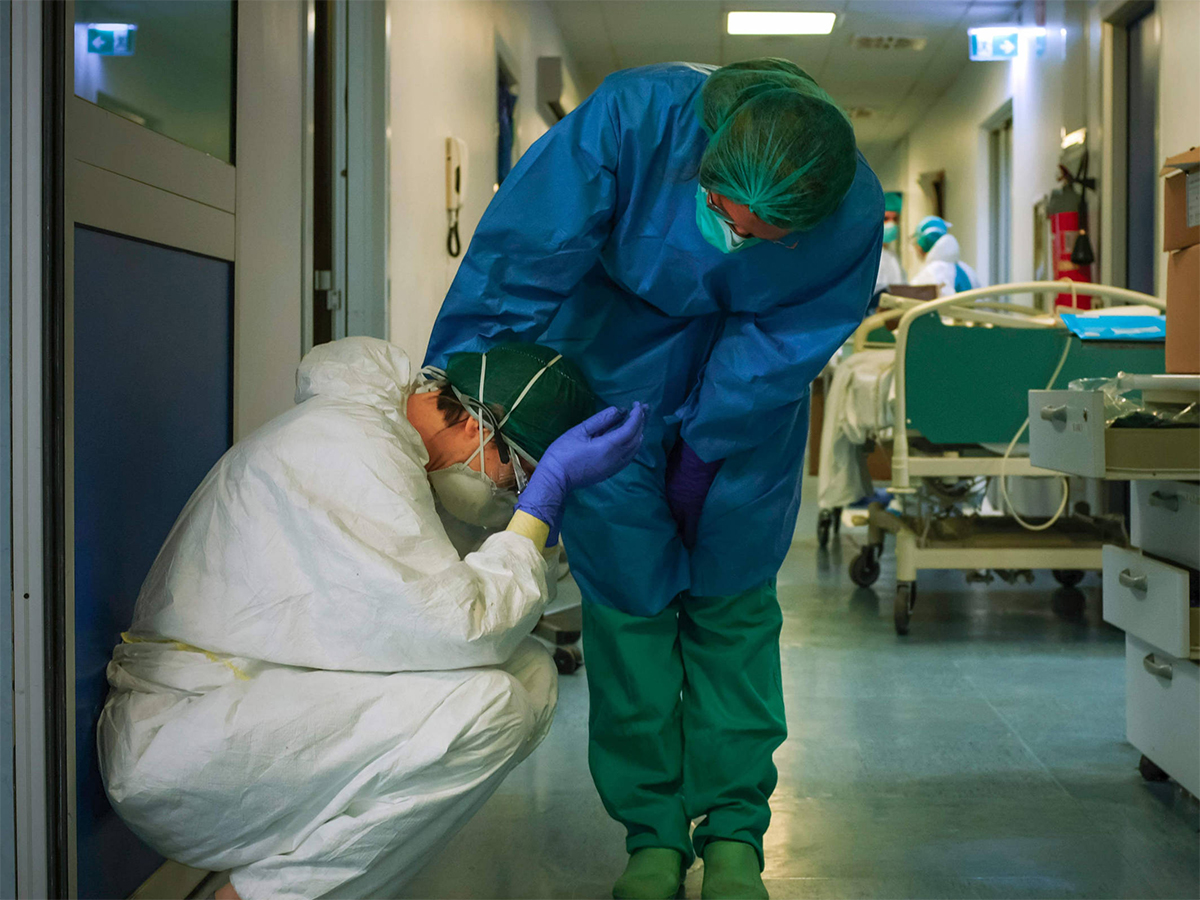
{"type": "Point", "coordinates": [456, 188]}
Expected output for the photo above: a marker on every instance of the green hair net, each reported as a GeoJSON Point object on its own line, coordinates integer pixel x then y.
{"type": "Point", "coordinates": [777, 143]}
{"type": "Point", "coordinates": [893, 201]}
{"type": "Point", "coordinates": [559, 400]}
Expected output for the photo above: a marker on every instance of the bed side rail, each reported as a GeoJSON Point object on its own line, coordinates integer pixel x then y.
{"type": "Point", "coordinates": [910, 313]}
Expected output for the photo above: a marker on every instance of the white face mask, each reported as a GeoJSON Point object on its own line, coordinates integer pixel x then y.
{"type": "Point", "coordinates": [470, 495]}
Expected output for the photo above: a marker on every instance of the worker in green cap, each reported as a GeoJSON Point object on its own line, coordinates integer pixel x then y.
{"type": "Point", "coordinates": [702, 240]}
{"type": "Point", "coordinates": [891, 270]}
{"type": "Point", "coordinates": [317, 691]}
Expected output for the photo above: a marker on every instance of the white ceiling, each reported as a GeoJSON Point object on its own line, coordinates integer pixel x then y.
{"type": "Point", "coordinates": [898, 86]}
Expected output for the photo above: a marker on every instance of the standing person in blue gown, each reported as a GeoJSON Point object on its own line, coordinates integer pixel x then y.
{"type": "Point", "coordinates": [701, 240]}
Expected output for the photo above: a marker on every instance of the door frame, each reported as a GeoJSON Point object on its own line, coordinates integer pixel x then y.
{"type": "Point", "coordinates": [8, 847]}
{"type": "Point", "coordinates": [30, 708]}
{"type": "Point", "coordinates": [998, 129]}
{"type": "Point", "coordinates": [1117, 15]}
{"type": "Point", "coordinates": [355, 287]}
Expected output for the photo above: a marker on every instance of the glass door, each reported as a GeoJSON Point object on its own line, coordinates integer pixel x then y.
{"type": "Point", "coordinates": [148, 338]}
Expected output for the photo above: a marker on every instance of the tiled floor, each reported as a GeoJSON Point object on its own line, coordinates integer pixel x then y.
{"type": "Point", "coordinates": [983, 755]}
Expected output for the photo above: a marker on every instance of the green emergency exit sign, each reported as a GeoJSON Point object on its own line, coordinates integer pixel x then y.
{"type": "Point", "coordinates": [111, 40]}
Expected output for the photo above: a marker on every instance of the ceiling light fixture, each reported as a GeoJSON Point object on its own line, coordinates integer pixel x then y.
{"type": "Point", "coordinates": [780, 22]}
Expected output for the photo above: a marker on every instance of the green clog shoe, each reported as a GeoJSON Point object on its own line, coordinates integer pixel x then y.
{"type": "Point", "coordinates": [653, 873]}
{"type": "Point", "coordinates": [732, 872]}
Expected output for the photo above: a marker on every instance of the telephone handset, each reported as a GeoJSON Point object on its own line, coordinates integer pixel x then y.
{"type": "Point", "coordinates": [456, 187]}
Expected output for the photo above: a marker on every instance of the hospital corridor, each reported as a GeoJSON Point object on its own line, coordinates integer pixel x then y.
{"type": "Point", "coordinates": [647, 449]}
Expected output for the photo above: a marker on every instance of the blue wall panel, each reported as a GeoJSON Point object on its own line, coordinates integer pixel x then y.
{"type": "Point", "coordinates": [153, 411]}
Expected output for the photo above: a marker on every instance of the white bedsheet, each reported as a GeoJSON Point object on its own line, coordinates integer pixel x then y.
{"type": "Point", "coordinates": [858, 408]}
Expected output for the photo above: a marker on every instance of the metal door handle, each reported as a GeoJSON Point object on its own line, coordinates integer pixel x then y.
{"type": "Point", "coordinates": [1054, 413]}
{"type": "Point", "coordinates": [1166, 501]}
{"type": "Point", "coordinates": [1133, 582]}
{"type": "Point", "coordinates": [1154, 667]}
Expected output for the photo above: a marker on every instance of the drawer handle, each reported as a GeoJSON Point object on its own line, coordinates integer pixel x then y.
{"type": "Point", "coordinates": [1154, 667]}
{"type": "Point", "coordinates": [1133, 582]}
{"type": "Point", "coordinates": [1166, 501]}
{"type": "Point", "coordinates": [1054, 413]}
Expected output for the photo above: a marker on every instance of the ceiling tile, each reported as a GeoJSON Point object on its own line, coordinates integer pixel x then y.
{"type": "Point", "coordinates": [899, 85]}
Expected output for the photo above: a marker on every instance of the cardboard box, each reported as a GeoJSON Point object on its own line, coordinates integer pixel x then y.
{"type": "Point", "coordinates": [1181, 200]}
{"type": "Point", "coordinates": [1183, 311]}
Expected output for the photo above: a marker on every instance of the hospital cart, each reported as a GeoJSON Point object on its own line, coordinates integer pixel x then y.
{"type": "Point", "coordinates": [1152, 586]}
{"type": "Point", "coordinates": [960, 400]}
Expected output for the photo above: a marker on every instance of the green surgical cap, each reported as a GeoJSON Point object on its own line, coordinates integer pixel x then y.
{"type": "Point", "coordinates": [559, 400]}
{"type": "Point", "coordinates": [930, 230]}
{"type": "Point", "coordinates": [777, 143]}
{"type": "Point", "coordinates": [893, 201]}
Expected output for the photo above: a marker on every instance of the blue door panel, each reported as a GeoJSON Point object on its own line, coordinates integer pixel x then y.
{"type": "Point", "coordinates": [153, 334]}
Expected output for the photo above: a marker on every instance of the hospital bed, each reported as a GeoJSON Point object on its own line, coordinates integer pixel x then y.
{"type": "Point", "coordinates": [959, 399]}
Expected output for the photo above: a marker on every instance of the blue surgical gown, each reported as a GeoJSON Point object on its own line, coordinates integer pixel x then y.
{"type": "Point", "coordinates": [591, 246]}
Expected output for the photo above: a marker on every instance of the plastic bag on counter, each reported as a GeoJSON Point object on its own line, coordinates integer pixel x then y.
{"type": "Point", "coordinates": [1126, 407]}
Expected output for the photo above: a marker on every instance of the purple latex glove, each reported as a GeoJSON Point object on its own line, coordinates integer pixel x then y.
{"type": "Point", "coordinates": [585, 455]}
{"type": "Point", "coordinates": [688, 480]}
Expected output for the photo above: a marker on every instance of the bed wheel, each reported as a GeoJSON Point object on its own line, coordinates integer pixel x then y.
{"type": "Point", "coordinates": [567, 660]}
{"type": "Point", "coordinates": [864, 568]}
{"type": "Point", "coordinates": [906, 597]}
{"type": "Point", "coordinates": [1067, 577]}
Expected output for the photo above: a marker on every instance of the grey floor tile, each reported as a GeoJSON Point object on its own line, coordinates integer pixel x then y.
{"type": "Point", "coordinates": [982, 756]}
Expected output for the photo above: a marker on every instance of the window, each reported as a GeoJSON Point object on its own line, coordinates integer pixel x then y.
{"type": "Point", "coordinates": [168, 67]}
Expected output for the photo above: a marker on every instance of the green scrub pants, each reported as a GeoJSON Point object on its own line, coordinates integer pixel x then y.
{"type": "Point", "coordinates": [686, 712]}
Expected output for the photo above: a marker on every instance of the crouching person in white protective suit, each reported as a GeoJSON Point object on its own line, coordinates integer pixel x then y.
{"type": "Point", "coordinates": [317, 692]}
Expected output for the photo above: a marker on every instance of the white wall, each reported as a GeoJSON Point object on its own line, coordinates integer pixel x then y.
{"type": "Point", "coordinates": [892, 171]}
{"type": "Point", "coordinates": [890, 166]}
{"type": "Point", "coordinates": [1056, 89]}
{"type": "Point", "coordinates": [1037, 85]}
{"type": "Point", "coordinates": [270, 211]}
{"type": "Point", "coordinates": [443, 83]}
{"type": "Point", "coordinates": [950, 138]}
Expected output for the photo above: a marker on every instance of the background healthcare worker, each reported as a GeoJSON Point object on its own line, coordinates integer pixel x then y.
{"type": "Point", "coordinates": [941, 258]}
{"type": "Point", "coordinates": [701, 240]}
{"type": "Point", "coordinates": [316, 691]}
{"type": "Point", "coordinates": [891, 271]}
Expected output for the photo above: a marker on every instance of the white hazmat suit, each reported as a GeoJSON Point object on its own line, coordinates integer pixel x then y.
{"type": "Point", "coordinates": [317, 692]}
{"type": "Point", "coordinates": [890, 270]}
{"type": "Point", "coordinates": [941, 266]}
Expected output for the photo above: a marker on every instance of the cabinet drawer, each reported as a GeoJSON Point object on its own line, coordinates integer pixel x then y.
{"type": "Point", "coordinates": [1149, 599]}
{"type": "Point", "coordinates": [1166, 520]}
{"type": "Point", "coordinates": [1066, 431]}
{"type": "Point", "coordinates": [1162, 710]}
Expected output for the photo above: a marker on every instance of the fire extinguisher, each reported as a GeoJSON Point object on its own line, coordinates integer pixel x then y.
{"type": "Point", "coordinates": [1071, 247]}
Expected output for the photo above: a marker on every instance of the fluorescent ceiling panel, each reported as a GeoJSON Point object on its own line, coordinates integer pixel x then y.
{"type": "Point", "coordinates": [780, 22]}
